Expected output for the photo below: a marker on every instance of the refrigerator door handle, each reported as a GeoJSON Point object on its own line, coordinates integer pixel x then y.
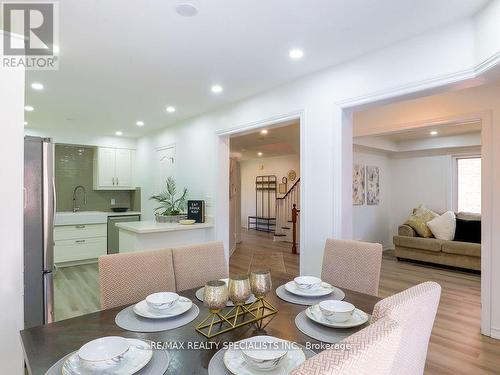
{"type": "Point", "coordinates": [48, 297]}
{"type": "Point", "coordinates": [48, 205]}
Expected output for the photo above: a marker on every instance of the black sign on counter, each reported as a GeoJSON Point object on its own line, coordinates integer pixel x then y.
{"type": "Point", "coordinates": [196, 211]}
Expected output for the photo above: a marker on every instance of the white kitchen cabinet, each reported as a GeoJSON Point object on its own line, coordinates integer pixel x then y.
{"type": "Point", "coordinates": [79, 243]}
{"type": "Point", "coordinates": [114, 169]}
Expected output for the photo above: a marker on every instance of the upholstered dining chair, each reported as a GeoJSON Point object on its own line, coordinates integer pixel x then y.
{"type": "Point", "coordinates": [354, 265]}
{"type": "Point", "coordinates": [194, 265]}
{"type": "Point", "coordinates": [370, 351]}
{"type": "Point", "coordinates": [130, 277]}
{"type": "Point", "coordinates": [415, 310]}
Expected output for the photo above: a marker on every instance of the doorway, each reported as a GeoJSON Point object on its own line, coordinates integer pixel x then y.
{"type": "Point", "coordinates": [264, 186]}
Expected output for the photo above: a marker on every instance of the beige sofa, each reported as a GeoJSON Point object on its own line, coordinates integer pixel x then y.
{"type": "Point", "coordinates": [408, 245]}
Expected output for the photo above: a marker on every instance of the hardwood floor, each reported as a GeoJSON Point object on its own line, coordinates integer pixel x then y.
{"type": "Point", "coordinates": [456, 346]}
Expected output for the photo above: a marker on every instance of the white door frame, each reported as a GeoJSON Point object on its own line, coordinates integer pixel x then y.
{"type": "Point", "coordinates": [223, 154]}
{"type": "Point", "coordinates": [487, 181]}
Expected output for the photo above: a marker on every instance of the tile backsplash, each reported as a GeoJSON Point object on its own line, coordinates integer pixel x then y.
{"type": "Point", "coordinates": [73, 167]}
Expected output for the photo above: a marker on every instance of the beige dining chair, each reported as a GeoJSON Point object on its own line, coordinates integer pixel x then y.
{"type": "Point", "coordinates": [370, 351]}
{"type": "Point", "coordinates": [127, 278]}
{"type": "Point", "coordinates": [415, 310]}
{"type": "Point", "coordinates": [194, 265]}
{"type": "Point", "coordinates": [353, 265]}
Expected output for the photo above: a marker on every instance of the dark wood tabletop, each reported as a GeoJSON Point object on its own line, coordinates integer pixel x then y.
{"type": "Point", "coordinates": [45, 345]}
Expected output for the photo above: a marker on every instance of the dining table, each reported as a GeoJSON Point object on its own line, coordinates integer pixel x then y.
{"type": "Point", "coordinates": [190, 352]}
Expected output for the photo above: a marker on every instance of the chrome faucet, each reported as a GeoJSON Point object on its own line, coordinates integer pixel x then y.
{"type": "Point", "coordinates": [74, 197]}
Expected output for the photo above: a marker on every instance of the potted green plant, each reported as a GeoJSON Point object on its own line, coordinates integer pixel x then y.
{"type": "Point", "coordinates": [171, 208]}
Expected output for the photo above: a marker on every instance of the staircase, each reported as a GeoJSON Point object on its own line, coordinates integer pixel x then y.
{"type": "Point", "coordinates": [284, 214]}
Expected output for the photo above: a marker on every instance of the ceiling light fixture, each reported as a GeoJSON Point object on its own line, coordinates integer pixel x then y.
{"type": "Point", "coordinates": [296, 54]}
{"type": "Point", "coordinates": [263, 131]}
{"type": "Point", "coordinates": [186, 10]}
{"type": "Point", "coordinates": [29, 108]}
{"type": "Point", "coordinates": [434, 132]}
{"type": "Point", "coordinates": [260, 153]}
{"type": "Point", "coordinates": [170, 109]}
{"type": "Point", "coordinates": [216, 89]}
{"type": "Point", "coordinates": [140, 123]}
{"type": "Point", "coordinates": [37, 86]}
{"type": "Point", "coordinates": [119, 133]}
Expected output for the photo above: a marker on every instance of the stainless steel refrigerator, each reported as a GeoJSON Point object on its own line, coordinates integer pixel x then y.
{"type": "Point", "coordinates": [39, 212]}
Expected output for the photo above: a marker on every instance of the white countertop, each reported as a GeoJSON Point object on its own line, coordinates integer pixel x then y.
{"type": "Point", "coordinates": [151, 226]}
{"type": "Point", "coordinates": [88, 217]}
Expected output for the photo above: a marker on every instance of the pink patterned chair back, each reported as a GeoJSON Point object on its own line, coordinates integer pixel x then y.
{"type": "Point", "coordinates": [194, 265]}
{"type": "Point", "coordinates": [129, 277]}
{"type": "Point", "coordinates": [414, 309]}
{"type": "Point", "coordinates": [353, 265]}
{"type": "Point", "coordinates": [370, 351]}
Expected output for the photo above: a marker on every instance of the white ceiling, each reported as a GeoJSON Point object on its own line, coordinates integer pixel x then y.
{"type": "Point", "coordinates": [443, 131]}
{"type": "Point", "coordinates": [279, 141]}
{"type": "Point", "coordinates": [123, 61]}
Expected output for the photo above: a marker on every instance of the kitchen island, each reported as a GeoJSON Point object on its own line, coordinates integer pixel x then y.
{"type": "Point", "coordinates": [150, 235]}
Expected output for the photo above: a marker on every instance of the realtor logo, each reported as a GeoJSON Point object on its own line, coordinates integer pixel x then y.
{"type": "Point", "coordinates": [29, 35]}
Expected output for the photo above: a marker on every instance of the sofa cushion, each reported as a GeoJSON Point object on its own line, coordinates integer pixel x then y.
{"type": "Point", "coordinates": [468, 231]}
{"type": "Point", "coordinates": [418, 221]}
{"type": "Point", "coordinates": [443, 227]}
{"type": "Point", "coordinates": [462, 248]}
{"type": "Point", "coordinates": [429, 244]}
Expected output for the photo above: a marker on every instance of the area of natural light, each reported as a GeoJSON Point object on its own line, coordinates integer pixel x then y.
{"type": "Point", "coordinates": [469, 184]}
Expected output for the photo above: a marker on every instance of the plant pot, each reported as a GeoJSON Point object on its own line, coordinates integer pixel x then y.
{"type": "Point", "coordinates": [169, 219]}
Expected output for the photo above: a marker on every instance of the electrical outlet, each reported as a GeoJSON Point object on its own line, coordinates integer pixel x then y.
{"type": "Point", "coordinates": [113, 201]}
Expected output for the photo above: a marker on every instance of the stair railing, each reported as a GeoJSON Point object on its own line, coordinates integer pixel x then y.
{"type": "Point", "coordinates": [284, 206]}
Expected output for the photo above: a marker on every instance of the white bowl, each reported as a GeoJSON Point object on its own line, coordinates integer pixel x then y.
{"type": "Point", "coordinates": [187, 222]}
{"type": "Point", "coordinates": [162, 300]}
{"type": "Point", "coordinates": [336, 311]}
{"type": "Point", "coordinates": [307, 282]}
{"type": "Point", "coordinates": [263, 353]}
{"type": "Point", "coordinates": [103, 353]}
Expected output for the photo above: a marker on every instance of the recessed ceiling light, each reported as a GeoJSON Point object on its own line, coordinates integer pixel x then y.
{"type": "Point", "coordinates": [37, 86]}
{"type": "Point", "coordinates": [216, 89]}
{"type": "Point", "coordinates": [296, 54]}
{"type": "Point", "coordinates": [186, 10]}
{"type": "Point", "coordinates": [29, 108]}
{"type": "Point", "coordinates": [434, 132]}
{"type": "Point", "coordinates": [119, 133]}
{"type": "Point", "coordinates": [260, 153]}
{"type": "Point", "coordinates": [263, 131]}
{"type": "Point", "coordinates": [170, 109]}
{"type": "Point", "coordinates": [140, 123]}
{"type": "Point", "coordinates": [25, 123]}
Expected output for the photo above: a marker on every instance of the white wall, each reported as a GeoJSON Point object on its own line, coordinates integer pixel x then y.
{"type": "Point", "coordinates": [370, 223]}
{"type": "Point", "coordinates": [11, 219]}
{"type": "Point", "coordinates": [325, 145]}
{"type": "Point", "coordinates": [279, 166]}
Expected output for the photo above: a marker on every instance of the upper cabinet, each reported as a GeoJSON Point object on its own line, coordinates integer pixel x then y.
{"type": "Point", "coordinates": [114, 169]}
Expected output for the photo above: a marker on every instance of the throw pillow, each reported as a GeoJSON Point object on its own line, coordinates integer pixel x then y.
{"type": "Point", "coordinates": [418, 221]}
{"type": "Point", "coordinates": [443, 227]}
{"type": "Point", "coordinates": [468, 231]}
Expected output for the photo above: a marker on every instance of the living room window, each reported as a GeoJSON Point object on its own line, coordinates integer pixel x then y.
{"type": "Point", "coordinates": [468, 184]}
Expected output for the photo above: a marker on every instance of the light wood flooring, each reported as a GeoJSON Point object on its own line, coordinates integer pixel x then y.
{"type": "Point", "coordinates": [456, 345]}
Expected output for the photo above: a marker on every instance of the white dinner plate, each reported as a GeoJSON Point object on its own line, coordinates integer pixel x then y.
{"type": "Point", "coordinates": [136, 358]}
{"type": "Point", "coordinates": [358, 318]}
{"type": "Point", "coordinates": [323, 290]}
{"type": "Point", "coordinates": [235, 363]}
{"type": "Point", "coordinates": [182, 305]}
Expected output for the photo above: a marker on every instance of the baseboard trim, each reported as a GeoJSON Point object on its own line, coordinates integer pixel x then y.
{"type": "Point", "coordinates": [495, 333]}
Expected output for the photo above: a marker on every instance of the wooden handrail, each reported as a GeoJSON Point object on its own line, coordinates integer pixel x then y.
{"type": "Point", "coordinates": [295, 213]}
{"type": "Point", "coordinates": [289, 190]}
